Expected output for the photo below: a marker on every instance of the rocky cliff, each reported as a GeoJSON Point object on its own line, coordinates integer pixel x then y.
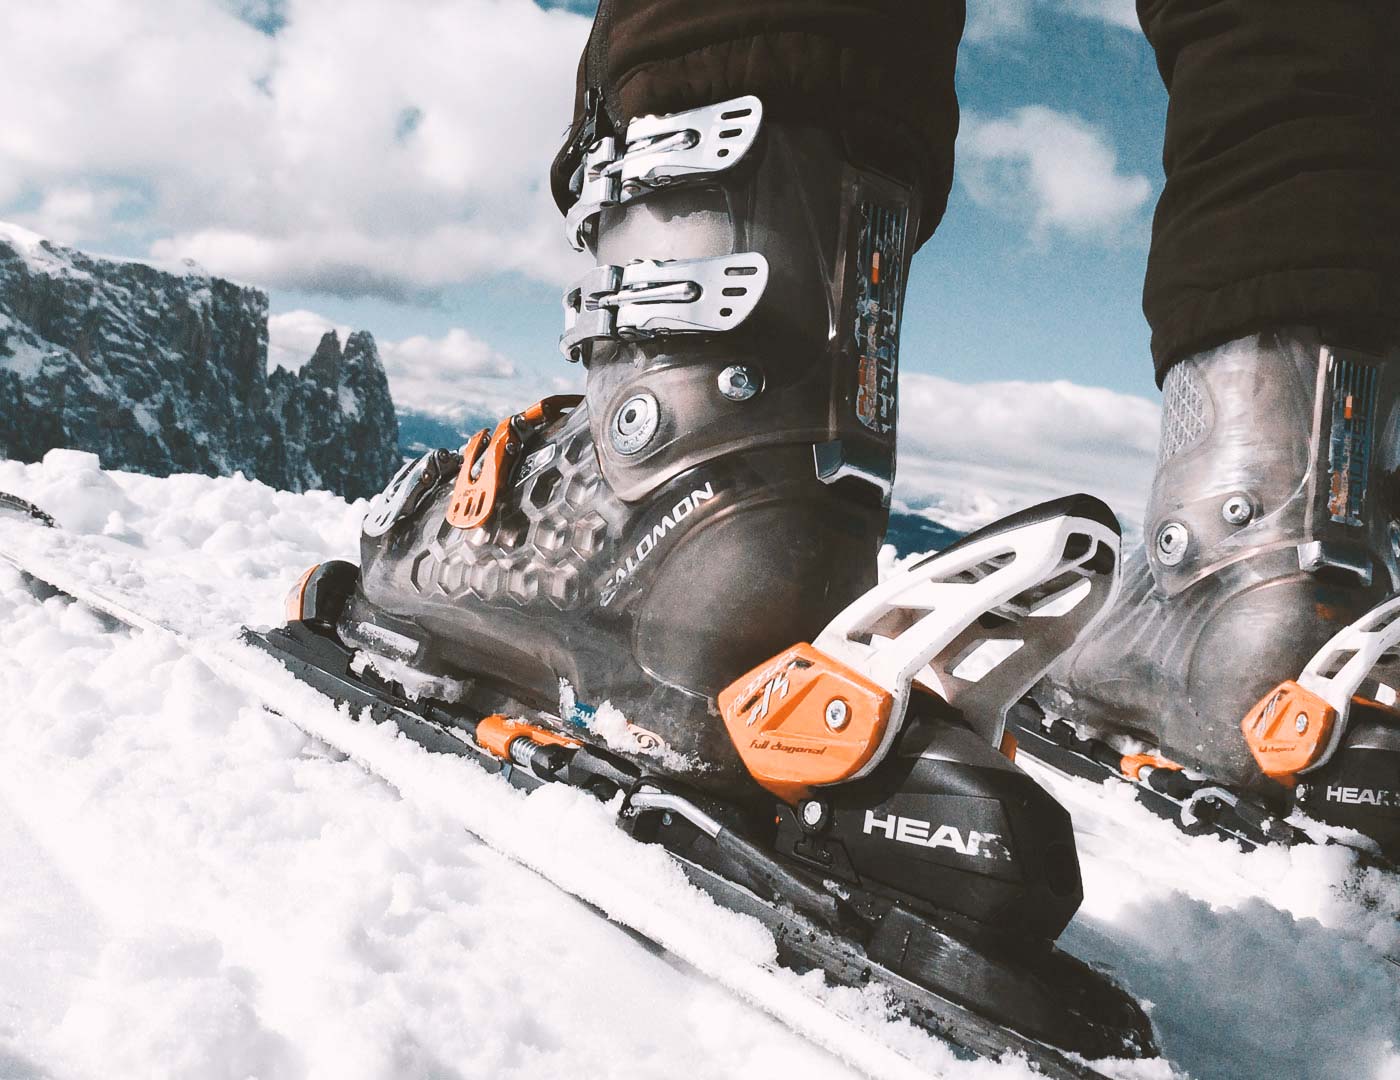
{"type": "Point", "coordinates": [162, 371]}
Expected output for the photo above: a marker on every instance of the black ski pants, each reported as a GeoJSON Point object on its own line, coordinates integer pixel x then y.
{"type": "Point", "coordinates": [1282, 149]}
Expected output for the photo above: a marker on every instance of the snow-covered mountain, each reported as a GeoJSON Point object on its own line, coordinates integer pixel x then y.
{"type": "Point", "coordinates": [165, 370]}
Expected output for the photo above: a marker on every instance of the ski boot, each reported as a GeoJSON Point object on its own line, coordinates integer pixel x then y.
{"type": "Point", "coordinates": [1242, 671]}
{"type": "Point", "coordinates": [671, 546]}
{"type": "Point", "coordinates": [721, 489]}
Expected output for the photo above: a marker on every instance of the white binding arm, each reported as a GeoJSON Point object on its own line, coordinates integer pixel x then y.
{"type": "Point", "coordinates": [980, 622]}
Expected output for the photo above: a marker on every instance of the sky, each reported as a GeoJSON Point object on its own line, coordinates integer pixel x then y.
{"type": "Point", "coordinates": [381, 164]}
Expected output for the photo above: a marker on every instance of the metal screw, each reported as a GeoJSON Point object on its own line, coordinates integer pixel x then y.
{"type": "Point", "coordinates": [738, 382]}
{"type": "Point", "coordinates": [635, 422]}
{"type": "Point", "coordinates": [838, 714]}
{"type": "Point", "coordinates": [1172, 540]}
{"type": "Point", "coordinates": [812, 812]}
{"type": "Point", "coordinates": [1237, 510]}
{"type": "Point", "coordinates": [1301, 722]}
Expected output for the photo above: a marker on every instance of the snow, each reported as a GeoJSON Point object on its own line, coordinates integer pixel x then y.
{"type": "Point", "coordinates": [349, 403]}
{"type": "Point", "coordinates": [191, 886]}
{"type": "Point", "coordinates": [43, 256]}
{"type": "Point", "coordinates": [38, 257]}
{"type": "Point", "coordinates": [25, 360]}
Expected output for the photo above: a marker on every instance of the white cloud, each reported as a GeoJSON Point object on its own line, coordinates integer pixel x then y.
{"type": "Point", "coordinates": [1052, 169]}
{"type": "Point", "coordinates": [365, 147]}
{"type": "Point", "coordinates": [293, 336]}
{"type": "Point", "coordinates": [1121, 13]}
{"type": "Point", "coordinates": [998, 21]}
{"type": "Point", "coordinates": [973, 452]}
{"type": "Point", "coordinates": [451, 376]}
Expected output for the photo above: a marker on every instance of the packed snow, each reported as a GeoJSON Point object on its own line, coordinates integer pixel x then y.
{"type": "Point", "coordinates": [191, 886]}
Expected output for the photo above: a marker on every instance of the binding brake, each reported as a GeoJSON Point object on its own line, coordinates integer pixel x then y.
{"type": "Point", "coordinates": [976, 624]}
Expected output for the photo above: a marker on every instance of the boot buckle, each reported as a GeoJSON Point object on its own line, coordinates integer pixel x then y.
{"type": "Point", "coordinates": [650, 298]}
{"type": "Point", "coordinates": [489, 455]}
{"type": "Point", "coordinates": [661, 151]}
{"type": "Point", "coordinates": [406, 492]}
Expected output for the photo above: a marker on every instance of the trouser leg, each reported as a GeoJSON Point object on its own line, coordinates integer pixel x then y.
{"type": "Point", "coordinates": [1282, 157]}
{"type": "Point", "coordinates": [877, 72]}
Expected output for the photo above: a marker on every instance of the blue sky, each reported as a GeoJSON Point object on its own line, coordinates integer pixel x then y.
{"type": "Point", "coordinates": [381, 165]}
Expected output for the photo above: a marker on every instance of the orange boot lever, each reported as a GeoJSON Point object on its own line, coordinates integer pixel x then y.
{"type": "Point", "coordinates": [488, 456]}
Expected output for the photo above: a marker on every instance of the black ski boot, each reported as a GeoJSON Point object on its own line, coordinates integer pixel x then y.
{"type": "Point", "coordinates": [720, 492]}
{"type": "Point", "coordinates": [1271, 529]}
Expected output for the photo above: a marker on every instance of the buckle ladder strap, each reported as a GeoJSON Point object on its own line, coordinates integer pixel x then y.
{"type": "Point", "coordinates": [661, 151]}
{"type": "Point", "coordinates": [406, 491]}
{"type": "Point", "coordinates": [648, 299]}
{"type": "Point", "coordinates": [1045, 579]}
{"type": "Point", "coordinates": [1337, 670]}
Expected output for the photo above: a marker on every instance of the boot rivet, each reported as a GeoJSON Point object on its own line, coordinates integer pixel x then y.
{"type": "Point", "coordinates": [1237, 510]}
{"type": "Point", "coordinates": [635, 423]}
{"type": "Point", "coordinates": [1172, 539]}
{"type": "Point", "coordinates": [739, 382]}
{"type": "Point", "coordinates": [1300, 722]}
{"type": "Point", "coordinates": [813, 813]}
{"type": "Point", "coordinates": [838, 714]}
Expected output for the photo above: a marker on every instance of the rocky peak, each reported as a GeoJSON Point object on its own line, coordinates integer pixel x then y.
{"type": "Point", "coordinates": [325, 364]}
{"type": "Point", "coordinates": [163, 370]}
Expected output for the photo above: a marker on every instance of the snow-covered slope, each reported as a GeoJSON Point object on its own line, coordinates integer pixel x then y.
{"type": "Point", "coordinates": [189, 887]}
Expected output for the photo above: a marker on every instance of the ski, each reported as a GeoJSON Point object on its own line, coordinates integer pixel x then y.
{"type": "Point", "coordinates": [985, 997]}
{"type": "Point", "coordinates": [1197, 806]}
{"type": "Point", "coordinates": [15, 505]}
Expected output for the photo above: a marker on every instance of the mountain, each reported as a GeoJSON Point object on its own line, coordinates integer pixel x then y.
{"type": "Point", "coordinates": [165, 370]}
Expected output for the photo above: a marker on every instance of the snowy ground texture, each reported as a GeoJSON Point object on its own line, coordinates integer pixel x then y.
{"type": "Point", "coordinates": [191, 887]}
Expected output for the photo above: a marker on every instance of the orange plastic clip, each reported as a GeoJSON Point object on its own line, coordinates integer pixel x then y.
{"type": "Point", "coordinates": [1288, 730]}
{"type": "Point", "coordinates": [487, 457]}
{"type": "Point", "coordinates": [1132, 764]}
{"type": "Point", "coordinates": [804, 718]}
{"type": "Point", "coordinates": [496, 732]}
